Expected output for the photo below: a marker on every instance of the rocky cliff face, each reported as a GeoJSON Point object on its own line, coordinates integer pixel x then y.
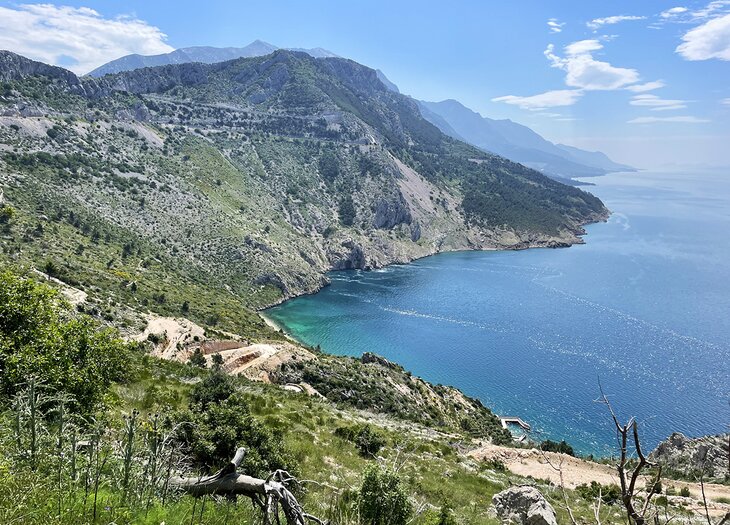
{"type": "Point", "coordinates": [690, 457]}
{"type": "Point", "coordinates": [16, 67]}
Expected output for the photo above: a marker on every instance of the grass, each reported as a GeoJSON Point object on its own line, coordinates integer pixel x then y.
{"type": "Point", "coordinates": [431, 469]}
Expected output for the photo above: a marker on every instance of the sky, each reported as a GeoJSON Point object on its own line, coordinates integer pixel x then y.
{"type": "Point", "coordinates": [646, 82]}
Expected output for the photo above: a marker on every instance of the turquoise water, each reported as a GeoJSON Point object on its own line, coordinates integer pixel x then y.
{"type": "Point", "coordinates": [644, 305]}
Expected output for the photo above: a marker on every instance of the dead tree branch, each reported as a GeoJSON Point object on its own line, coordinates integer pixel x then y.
{"type": "Point", "coordinates": [627, 477]}
{"type": "Point", "coordinates": [268, 494]}
{"type": "Point", "coordinates": [559, 469]}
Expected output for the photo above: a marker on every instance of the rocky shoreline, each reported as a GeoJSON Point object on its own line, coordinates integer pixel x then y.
{"type": "Point", "coordinates": [364, 259]}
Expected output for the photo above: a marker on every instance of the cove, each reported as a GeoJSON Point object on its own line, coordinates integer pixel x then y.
{"type": "Point", "coordinates": [643, 306]}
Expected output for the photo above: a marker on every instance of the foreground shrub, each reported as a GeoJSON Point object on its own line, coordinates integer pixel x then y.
{"type": "Point", "coordinates": [609, 494]}
{"type": "Point", "coordinates": [41, 339]}
{"type": "Point", "coordinates": [382, 498]}
{"type": "Point", "coordinates": [218, 421]}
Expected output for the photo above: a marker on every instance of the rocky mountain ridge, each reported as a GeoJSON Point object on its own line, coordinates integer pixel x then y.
{"type": "Point", "coordinates": [517, 142]}
{"type": "Point", "coordinates": [503, 137]}
{"type": "Point", "coordinates": [203, 54]}
{"type": "Point", "coordinates": [282, 166]}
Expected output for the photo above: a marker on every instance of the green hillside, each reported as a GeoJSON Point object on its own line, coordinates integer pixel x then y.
{"type": "Point", "coordinates": [235, 185]}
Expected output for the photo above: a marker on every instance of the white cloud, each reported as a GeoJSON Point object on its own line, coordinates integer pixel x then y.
{"type": "Point", "coordinates": [709, 40]}
{"type": "Point", "coordinates": [585, 72]}
{"type": "Point", "coordinates": [554, 25]}
{"type": "Point", "coordinates": [725, 101]}
{"type": "Point", "coordinates": [610, 20]}
{"type": "Point", "coordinates": [77, 38]}
{"type": "Point", "coordinates": [674, 11]}
{"type": "Point", "coordinates": [549, 99]}
{"type": "Point", "coordinates": [648, 86]}
{"type": "Point", "coordinates": [652, 120]}
{"type": "Point", "coordinates": [582, 47]}
{"type": "Point", "coordinates": [711, 10]}
{"type": "Point", "coordinates": [656, 103]}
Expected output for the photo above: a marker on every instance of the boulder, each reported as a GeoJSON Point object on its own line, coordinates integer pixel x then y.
{"type": "Point", "coordinates": [524, 504]}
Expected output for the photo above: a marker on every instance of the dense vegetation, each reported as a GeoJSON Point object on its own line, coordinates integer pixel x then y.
{"type": "Point", "coordinates": [218, 421]}
{"type": "Point", "coordinates": [372, 383]}
{"type": "Point", "coordinates": [63, 464]}
{"type": "Point", "coordinates": [41, 343]}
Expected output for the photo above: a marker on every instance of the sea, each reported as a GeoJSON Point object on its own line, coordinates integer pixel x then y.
{"type": "Point", "coordinates": [640, 313]}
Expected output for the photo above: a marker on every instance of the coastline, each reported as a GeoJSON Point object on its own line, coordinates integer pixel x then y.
{"type": "Point", "coordinates": [270, 322]}
{"type": "Point", "coordinates": [599, 238]}
{"type": "Point", "coordinates": [277, 327]}
{"type": "Point", "coordinates": [551, 244]}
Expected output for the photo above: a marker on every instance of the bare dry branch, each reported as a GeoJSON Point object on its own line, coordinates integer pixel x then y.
{"type": "Point", "coordinates": [628, 480]}
{"type": "Point", "coordinates": [268, 494]}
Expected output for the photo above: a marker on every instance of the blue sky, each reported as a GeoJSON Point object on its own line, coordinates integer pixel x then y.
{"type": "Point", "coordinates": [647, 82]}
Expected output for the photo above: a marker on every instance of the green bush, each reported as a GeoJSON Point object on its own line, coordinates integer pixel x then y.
{"type": "Point", "coordinates": [217, 361]}
{"type": "Point", "coordinates": [218, 421]}
{"type": "Point", "coordinates": [382, 498]}
{"type": "Point", "coordinates": [654, 486]}
{"type": "Point", "coordinates": [684, 492]}
{"type": "Point", "coordinates": [610, 494]}
{"type": "Point", "coordinates": [41, 339]}
{"type": "Point", "coordinates": [213, 389]}
{"type": "Point", "coordinates": [495, 465]}
{"type": "Point", "coordinates": [367, 440]}
{"type": "Point", "coordinates": [347, 210]}
{"type": "Point", "coordinates": [197, 359]}
{"type": "Point", "coordinates": [446, 515]}
{"type": "Point", "coordinates": [6, 214]}
{"type": "Point", "coordinates": [553, 446]}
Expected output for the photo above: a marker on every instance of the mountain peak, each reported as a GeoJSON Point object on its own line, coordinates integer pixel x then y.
{"type": "Point", "coordinates": [204, 54]}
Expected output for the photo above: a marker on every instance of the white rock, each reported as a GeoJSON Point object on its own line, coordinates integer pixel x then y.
{"type": "Point", "coordinates": [525, 505]}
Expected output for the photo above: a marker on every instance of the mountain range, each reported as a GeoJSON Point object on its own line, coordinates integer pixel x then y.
{"type": "Point", "coordinates": [284, 166]}
{"type": "Point", "coordinates": [503, 137]}
{"type": "Point", "coordinates": [204, 54]}
{"type": "Point", "coordinates": [517, 142]}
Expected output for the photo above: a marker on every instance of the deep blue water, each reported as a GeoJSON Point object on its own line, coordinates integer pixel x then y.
{"type": "Point", "coordinates": [644, 305]}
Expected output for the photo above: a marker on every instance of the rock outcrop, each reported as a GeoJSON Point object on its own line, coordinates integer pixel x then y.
{"type": "Point", "coordinates": [16, 67]}
{"type": "Point", "coordinates": [369, 357]}
{"type": "Point", "coordinates": [352, 257]}
{"type": "Point", "coordinates": [688, 456]}
{"type": "Point", "coordinates": [524, 504]}
{"type": "Point", "coordinates": [389, 214]}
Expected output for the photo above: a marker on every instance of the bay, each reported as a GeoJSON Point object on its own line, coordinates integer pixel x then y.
{"type": "Point", "coordinates": [643, 307]}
